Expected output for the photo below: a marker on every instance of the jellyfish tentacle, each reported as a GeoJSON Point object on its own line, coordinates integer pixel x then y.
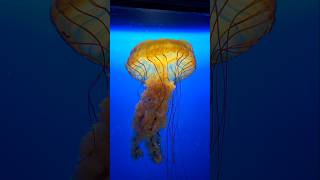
{"type": "Point", "coordinates": [156, 68]}
{"type": "Point", "coordinates": [138, 73]}
{"type": "Point", "coordinates": [145, 72]}
{"type": "Point", "coordinates": [162, 66]}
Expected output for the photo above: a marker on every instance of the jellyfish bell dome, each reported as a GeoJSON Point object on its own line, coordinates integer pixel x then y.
{"type": "Point", "coordinates": [165, 59]}
{"type": "Point", "coordinates": [237, 25]}
{"type": "Point", "coordinates": [84, 25]}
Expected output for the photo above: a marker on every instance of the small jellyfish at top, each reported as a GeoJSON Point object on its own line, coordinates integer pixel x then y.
{"type": "Point", "coordinates": [159, 65]}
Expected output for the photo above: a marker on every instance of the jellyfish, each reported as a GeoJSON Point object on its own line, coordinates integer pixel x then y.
{"type": "Point", "coordinates": [159, 65]}
{"type": "Point", "coordinates": [84, 25]}
{"type": "Point", "coordinates": [236, 26]}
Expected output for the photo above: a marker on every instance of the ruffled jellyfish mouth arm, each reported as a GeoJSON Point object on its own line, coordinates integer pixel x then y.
{"type": "Point", "coordinates": [152, 108]}
{"type": "Point", "coordinates": [153, 145]}
{"type": "Point", "coordinates": [154, 148]}
{"type": "Point", "coordinates": [136, 150]}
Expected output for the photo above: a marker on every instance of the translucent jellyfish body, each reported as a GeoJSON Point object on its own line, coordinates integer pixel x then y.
{"type": "Point", "coordinates": [159, 65]}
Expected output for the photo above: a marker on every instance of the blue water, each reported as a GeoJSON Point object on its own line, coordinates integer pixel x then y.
{"type": "Point", "coordinates": [273, 113]}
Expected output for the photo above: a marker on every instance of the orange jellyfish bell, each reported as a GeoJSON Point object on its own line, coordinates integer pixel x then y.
{"type": "Point", "coordinates": [164, 59]}
{"type": "Point", "coordinates": [159, 64]}
{"type": "Point", "coordinates": [237, 25]}
{"type": "Point", "coordinates": [84, 25]}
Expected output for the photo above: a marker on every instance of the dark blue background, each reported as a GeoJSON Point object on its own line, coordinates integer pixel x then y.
{"type": "Point", "coordinates": [273, 115]}
{"type": "Point", "coordinates": [273, 108]}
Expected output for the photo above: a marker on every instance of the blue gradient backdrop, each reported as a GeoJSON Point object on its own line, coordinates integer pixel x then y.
{"type": "Point", "coordinates": [273, 112]}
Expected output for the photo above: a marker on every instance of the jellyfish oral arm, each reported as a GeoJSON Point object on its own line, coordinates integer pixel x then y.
{"type": "Point", "coordinates": [152, 108]}
{"type": "Point", "coordinates": [150, 115]}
